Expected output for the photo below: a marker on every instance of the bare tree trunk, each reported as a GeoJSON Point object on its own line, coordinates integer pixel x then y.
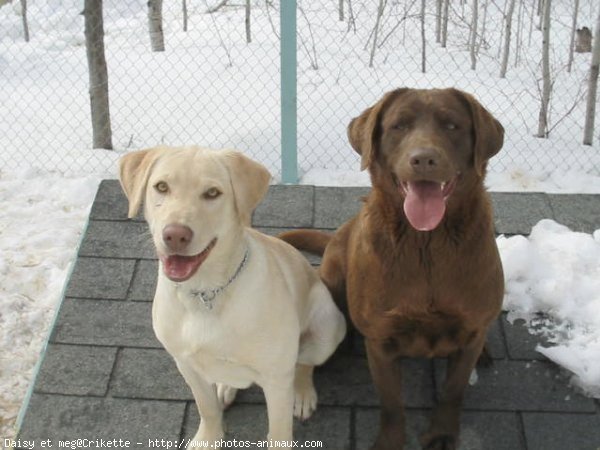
{"type": "Point", "coordinates": [519, 42]}
{"type": "Point", "coordinates": [445, 24]}
{"type": "Point", "coordinates": [483, 24]}
{"type": "Point", "coordinates": [546, 86]}
{"type": "Point", "coordinates": [185, 16]}
{"type": "Point", "coordinates": [507, 34]}
{"type": "Point", "coordinates": [341, 10]}
{"type": "Point", "coordinates": [157, 40]}
{"type": "Point", "coordinates": [501, 40]}
{"type": "Point", "coordinates": [541, 3]}
{"type": "Point", "coordinates": [24, 18]}
{"type": "Point", "coordinates": [573, 28]}
{"type": "Point", "coordinates": [532, 16]}
{"type": "Point", "coordinates": [588, 130]}
{"type": "Point", "coordinates": [98, 74]}
{"type": "Point", "coordinates": [248, 34]}
{"type": "Point", "coordinates": [438, 21]}
{"type": "Point", "coordinates": [423, 40]}
{"type": "Point", "coordinates": [376, 31]}
{"type": "Point", "coordinates": [473, 43]}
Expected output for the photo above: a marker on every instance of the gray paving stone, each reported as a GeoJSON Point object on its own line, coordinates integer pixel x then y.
{"type": "Point", "coordinates": [335, 205]}
{"type": "Point", "coordinates": [105, 322]}
{"type": "Point", "coordinates": [479, 431]}
{"type": "Point", "coordinates": [286, 206]}
{"type": "Point", "coordinates": [345, 380]}
{"type": "Point", "coordinates": [76, 370]}
{"type": "Point", "coordinates": [520, 342]}
{"type": "Point", "coordinates": [516, 213]}
{"type": "Point", "coordinates": [101, 278]}
{"type": "Point", "coordinates": [129, 240]}
{"type": "Point", "coordinates": [274, 231]}
{"type": "Point", "coordinates": [548, 431]}
{"type": "Point", "coordinates": [520, 386]}
{"type": "Point", "coordinates": [331, 426]}
{"type": "Point", "coordinates": [148, 373]}
{"type": "Point", "coordinates": [152, 373]}
{"type": "Point", "coordinates": [110, 202]}
{"type": "Point", "coordinates": [147, 396]}
{"type": "Point", "coordinates": [58, 417]}
{"type": "Point", "coordinates": [253, 394]}
{"type": "Point", "coordinates": [143, 285]}
{"type": "Point", "coordinates": [495, 340]}
{"type": "Point", "coordinates": [578, 212]}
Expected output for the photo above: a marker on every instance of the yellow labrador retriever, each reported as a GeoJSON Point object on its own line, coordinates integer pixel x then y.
{"type": "Point", "coordinates": [232, 306]}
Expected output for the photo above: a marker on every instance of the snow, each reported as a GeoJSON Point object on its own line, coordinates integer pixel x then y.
{"type": "Point", "coordinates": [552, 276]}
{"type": "Point", "coordinates": [42, 217]}
{"type": "Point", "coordinates": [210, 87]}
{"type": "Point", "coordinates": [556, 272]}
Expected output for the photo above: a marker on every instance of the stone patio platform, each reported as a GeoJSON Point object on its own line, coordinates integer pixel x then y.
{"type": "Point", "coordinates": [105, 376]}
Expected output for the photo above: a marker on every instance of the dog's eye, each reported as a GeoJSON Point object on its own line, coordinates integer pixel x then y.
{"type": "Point", "coordinates": [161, 187]}
{"type": "Point", "coordinates": [401, 126]}
{"type": "Point", "coordinates": [450, 126]}
{"type": "Point", "coordinates": [211, 193]}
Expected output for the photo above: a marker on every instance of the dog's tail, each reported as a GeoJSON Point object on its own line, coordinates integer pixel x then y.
{"type": "Point", "coordinates": [311, 241]}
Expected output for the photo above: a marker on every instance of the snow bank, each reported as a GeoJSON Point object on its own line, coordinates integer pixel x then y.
{"type": "Point", "coordinates": [41, 220]}
{"type": "Point", "coordinates": [553, 283]}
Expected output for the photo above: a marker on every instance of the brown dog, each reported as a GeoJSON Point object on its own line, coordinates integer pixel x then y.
{"type": "Point", "coordinates": [419, 263]}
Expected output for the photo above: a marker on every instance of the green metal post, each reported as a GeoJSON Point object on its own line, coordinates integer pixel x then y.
{"type": "Point", "coordinates": [289, 100]}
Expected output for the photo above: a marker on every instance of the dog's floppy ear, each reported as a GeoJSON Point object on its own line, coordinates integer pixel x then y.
{"type": "Point", "coordinates": [363, 130]}
{"type": "Point", "coordinates": [134, 171]}
{"type": "Point", "coordinates": [489, 133]}
{"type": "Point", "coordinates": [250, 182]}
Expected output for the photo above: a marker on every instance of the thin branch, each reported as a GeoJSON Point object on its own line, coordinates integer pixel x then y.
{"type": "Point", "coordinates": [221, 41]}
{"type": "Point", "coordinates": [311, 55]}
{"type": "Point", "coordinates": [215, 8]}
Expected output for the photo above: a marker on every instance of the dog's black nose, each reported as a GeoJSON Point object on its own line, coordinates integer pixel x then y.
{"type": "Point", "coordinates": [177, 237]}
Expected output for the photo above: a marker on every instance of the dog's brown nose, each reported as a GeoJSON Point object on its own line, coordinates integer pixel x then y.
{"type": "Point", "coordinates": [424, 160]}
{"type": "Point", "coordinates": [177, 237]}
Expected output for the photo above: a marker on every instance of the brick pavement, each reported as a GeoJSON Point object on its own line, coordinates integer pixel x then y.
{"type": "Point", "coordinates": [104, 374]}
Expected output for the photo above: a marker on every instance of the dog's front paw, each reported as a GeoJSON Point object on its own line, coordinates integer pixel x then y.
{"type": "Point", "coordinates": [226, 395]}
{"type": "Point", "coordinates": [206, 438]}
{"type": "Point", "coordinates": [210, 434]}
{"type": "Point", "coordinates": [305, 400]}
{"type": "Point", "coordinates": [439, 442]}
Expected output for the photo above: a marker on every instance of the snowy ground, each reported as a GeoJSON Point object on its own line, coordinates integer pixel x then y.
{"type": "Point", "coordinates": [43, 212]}
{"type": "Point", "coordinates": [42, 217]}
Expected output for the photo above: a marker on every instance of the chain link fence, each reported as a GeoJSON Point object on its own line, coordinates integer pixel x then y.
{"type": "Point", "coordinates": [212, 87]}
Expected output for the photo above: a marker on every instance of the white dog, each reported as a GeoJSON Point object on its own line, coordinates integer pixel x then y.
{"type": "Point", "coordinates": [232, 306]}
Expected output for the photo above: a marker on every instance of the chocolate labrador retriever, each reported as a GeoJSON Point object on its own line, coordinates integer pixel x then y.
{"type": "Point", "coordinates": [419, 265]}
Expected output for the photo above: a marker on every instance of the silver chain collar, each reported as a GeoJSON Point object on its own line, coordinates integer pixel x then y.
{"type": "Point", "coordinates": [208, 295]}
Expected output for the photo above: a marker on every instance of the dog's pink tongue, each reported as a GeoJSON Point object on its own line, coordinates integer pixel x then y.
{"type": "Point", "coordinates": [178, 267]}
{"type": "Point", "coordinates": [424, 205]}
